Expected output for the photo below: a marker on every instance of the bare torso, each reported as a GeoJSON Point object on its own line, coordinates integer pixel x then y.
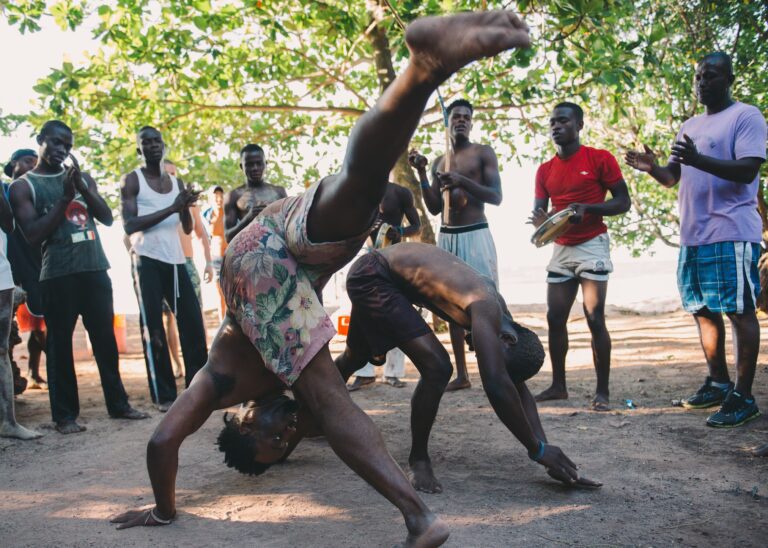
{"type": "Point", "coordinates": [246, 198]}
{"type": "Point", "coordinates": [465, 209]}
{"type": "Point", "coordinates": [449, 295]}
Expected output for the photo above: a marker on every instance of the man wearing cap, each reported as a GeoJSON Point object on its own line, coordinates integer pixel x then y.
{"type": "Point", "coordinates": [25, 264]}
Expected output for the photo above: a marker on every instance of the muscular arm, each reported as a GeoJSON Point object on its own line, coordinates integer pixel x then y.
{"type": "Point", "coordinates": [490, 190]}
{"type": "Point", "coordinates": [129, 190]}
{"type": "Point", "coordinates": [743, 170]}
{"type": "Point", "coordinates": [414, 222]}
{"type": "Point", "coordinates": [201, 233]}
{"type": "Point", "coordinates": [6, 215]}
{"type": "Point", "coordinates": [185, 417]}
{"type": "Point", "coordinates": [501, 391]}
{"type": "Point", "coordinates": [431, 193]}
{"type": "Point", "coordinates": [97, 206]}
{"type": "Point", "coordinates": [618, 204]}
{"type": "Point", "coordinates": [667, 176]}
{"type": "Point", "coordinates": [531, 411]}
{"type": "Point", "coordinates": [35, 229]}
{"type": "Point", "coordinates": [185, 215]}
{"type": "Point", "coordinates": [232, 223]}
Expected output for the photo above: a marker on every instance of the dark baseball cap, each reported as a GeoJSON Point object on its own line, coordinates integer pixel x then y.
{"type": "Point", "coordinates": [21, 153]}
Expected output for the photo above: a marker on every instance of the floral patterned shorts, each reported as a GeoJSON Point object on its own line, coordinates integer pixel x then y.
{"type": "Point", "coordinates": [271, 278]}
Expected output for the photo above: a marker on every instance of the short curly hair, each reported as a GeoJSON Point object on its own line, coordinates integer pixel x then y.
{"type": "Point", "coordinates": [525, 358]}
{"type": "Point", "coordinates": [239, 449]}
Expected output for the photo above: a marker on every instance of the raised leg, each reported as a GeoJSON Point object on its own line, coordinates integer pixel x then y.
{"type": "Point", "coordinates": [9, 428]}
{"type": "Point", "coordinates": [560, 297]}
{"type": "Point", "coordinates": [594, 293]}
{"type": "Point", "coordinates": [439, 47]}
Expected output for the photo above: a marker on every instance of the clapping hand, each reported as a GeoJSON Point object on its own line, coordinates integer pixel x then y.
{"type": "Point", "coordinates": [642, 161]}
{"type": "Point", "coordinates": [685, 152]}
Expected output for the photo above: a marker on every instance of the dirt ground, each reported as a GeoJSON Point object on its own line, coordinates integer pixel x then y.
{"type": "Point", "coordinates": [669, 480]}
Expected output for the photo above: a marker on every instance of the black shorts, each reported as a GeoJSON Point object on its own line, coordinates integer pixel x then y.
{"type": "Point", "coordinates": [382, 314]}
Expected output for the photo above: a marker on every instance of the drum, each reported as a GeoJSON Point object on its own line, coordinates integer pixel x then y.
{"type": "Point", "coordinates": [554, 227]}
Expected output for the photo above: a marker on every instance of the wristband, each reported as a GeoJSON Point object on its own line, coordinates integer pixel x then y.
{"type": "Point", "coordinates": [400, 229]}
{"type": "Point", "coordinates": [424, 184]}
{"type": "Point", "coordinates": [538, 454]}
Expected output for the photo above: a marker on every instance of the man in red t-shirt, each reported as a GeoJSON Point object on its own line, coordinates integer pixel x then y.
{"type": "Point", "coordinates": [578, 177]}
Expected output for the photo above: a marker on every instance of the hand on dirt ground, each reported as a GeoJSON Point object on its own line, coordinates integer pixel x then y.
{"type": "Point", "coordinates": [558, 465]}
{"type": "Point", "coordinates": [580, 483]}
{"type": "Point", "coordinates": [136, 518]}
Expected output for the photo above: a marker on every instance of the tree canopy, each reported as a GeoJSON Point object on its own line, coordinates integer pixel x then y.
{"type": "Point", "coordinates": [293, 75]}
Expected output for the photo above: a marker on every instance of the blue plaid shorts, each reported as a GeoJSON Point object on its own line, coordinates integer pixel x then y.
{"type": "Point", "coordinates": [721, 276]}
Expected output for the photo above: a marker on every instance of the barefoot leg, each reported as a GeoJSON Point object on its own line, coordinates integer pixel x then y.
{"type": "Point", "coordinates": [560, 297]}
{"type": "Point", "coordinates": [434, 365]}
{"type": "Point", "coordinates": [353, 436]}
{"type": "Point", "coordinates": [9, 428]}
{"type": "Point", "coordinates": [439, 47]}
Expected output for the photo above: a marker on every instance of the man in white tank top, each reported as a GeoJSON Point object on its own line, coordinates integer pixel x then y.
{"type": "Point", "coordinates": [154, 203]}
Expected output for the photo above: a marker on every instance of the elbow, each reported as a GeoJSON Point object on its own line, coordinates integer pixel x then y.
{"type": "Point", "coordinates": [626, 205]}
{"type": "Point", "coordinates": [495, 200]}
{"type": "Point", "coordinates": [107, 220]}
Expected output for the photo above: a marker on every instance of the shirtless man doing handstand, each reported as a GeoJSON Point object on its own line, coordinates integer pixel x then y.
{"type": "Point", "coordinates": [276, 332]}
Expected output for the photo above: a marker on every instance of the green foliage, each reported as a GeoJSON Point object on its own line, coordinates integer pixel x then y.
{"type": "Point", "coordinates": [294, 75]}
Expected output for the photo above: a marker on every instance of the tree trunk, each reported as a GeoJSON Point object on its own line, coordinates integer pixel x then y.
{"type": "Point", "coordinates": [403, 173]}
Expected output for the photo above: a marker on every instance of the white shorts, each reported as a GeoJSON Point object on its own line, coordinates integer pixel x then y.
{"type": "Point", "coordinates": [590, 260]}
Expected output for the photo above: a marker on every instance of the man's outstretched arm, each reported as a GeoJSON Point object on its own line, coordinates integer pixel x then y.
{"type": "Point", "coordinates": [185, 417]}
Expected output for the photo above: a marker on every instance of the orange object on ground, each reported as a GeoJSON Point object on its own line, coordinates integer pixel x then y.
{"type": "Point", "coordinates": [343, 327]}
{"type": "Point", "coordinates": [121, 333]}
{"type": "Point", "coordinates": [28, 322]}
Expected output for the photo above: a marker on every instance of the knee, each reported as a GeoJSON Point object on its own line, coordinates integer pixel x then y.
{"type": "Point", "coordinates": [595, 318]}
{"type": "Point", "coordinates": [439, 372]}
{"type": "Point", "coordinates": [556, 319]}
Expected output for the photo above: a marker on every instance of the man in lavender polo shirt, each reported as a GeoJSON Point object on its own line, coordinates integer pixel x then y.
{"type": "Point", "coordinates": [716, 158]}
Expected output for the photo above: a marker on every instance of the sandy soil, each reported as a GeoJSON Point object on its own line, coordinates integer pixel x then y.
{"type": "Point", "coordinates": [669, 480]}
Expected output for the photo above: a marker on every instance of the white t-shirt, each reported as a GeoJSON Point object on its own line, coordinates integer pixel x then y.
{"type": "Point", "coordinates": [6, 278]}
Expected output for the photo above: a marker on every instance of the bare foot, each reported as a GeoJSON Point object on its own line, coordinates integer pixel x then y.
{"type": "Point", "coordinates": [131, 414]}
{"type": "Point", "coordinates": [552, 393]}
{"type": "Point", "coordinates": [458, 384]}
{"type": "Point", "coordinates": [423, 478]}
{"type": "Point", "coordinates": [361, 382]}
{"type": "Point", "coordinates": [434, 535]}
{"type": "Point", "coordinates": [600, 403]}
{"type": "Point", "coordinates": [19, 432]}
{"type": "Point", "coordinates": [761, 451]}
{"type": "Point", "coordinates": [69, 427]}
{"type": "Point", "coordinates": [442, 45]}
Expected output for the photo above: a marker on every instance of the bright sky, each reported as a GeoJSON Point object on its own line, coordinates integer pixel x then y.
{"type": "Point", "coordinates": [521, 265]}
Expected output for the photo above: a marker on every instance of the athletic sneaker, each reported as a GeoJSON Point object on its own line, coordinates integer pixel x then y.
{"type": "Point", "coordinates": [736, 410]}
{"type": "Point", "coordinates": [708, 395]}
